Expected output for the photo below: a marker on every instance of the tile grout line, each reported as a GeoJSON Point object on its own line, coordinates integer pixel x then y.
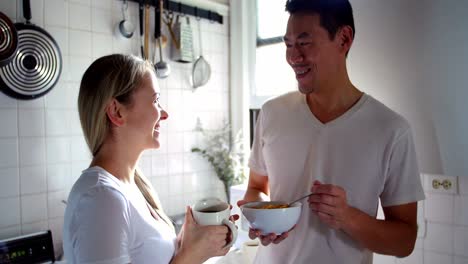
{"type": "Point", "coordinates": [18, 167]}
{"type": "Point", "coordinates": [453, 222]}
{"type": "Point", "coordinates": [44, 119]}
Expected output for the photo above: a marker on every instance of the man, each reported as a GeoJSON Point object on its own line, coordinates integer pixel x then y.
{"type": "Point", "coordinates": [337, 142]}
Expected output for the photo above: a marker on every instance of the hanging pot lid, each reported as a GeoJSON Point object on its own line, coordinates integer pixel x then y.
{"type": "Point", "coordinates": [37, 64]}
{"type": "Point", "coordinates": [8, 40]}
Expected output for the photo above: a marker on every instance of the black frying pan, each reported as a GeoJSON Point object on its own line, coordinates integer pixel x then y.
{"type": "Point", "coordinates": [8, 40]}
{"type": "Point", "coordinates": [37, 64]}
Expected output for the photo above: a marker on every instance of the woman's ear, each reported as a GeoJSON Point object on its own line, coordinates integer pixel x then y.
{"type": "Point", "coordinates": [114, 111]}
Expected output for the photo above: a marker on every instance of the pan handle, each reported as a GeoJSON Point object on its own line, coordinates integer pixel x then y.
{"type": "Point", "coordinates": [27, 10]}
{"type": "Point", "coordinates": [140, 16]}
{"type": "Point", "coordinates": [157, 19]}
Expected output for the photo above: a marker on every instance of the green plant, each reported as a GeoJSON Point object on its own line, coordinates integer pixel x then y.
{"type": "Point", "coordinates": [225, 154]}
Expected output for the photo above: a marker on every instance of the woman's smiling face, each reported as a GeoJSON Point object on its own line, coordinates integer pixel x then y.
{"type": "Point", "coordinates": [145, 113]}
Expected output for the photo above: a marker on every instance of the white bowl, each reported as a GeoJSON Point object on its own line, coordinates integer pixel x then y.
{"type": "Point", "coordinates": [271, 220]}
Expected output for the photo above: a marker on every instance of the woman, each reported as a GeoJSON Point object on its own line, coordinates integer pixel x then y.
{"type": "Point", "coordinates": [113, 215]}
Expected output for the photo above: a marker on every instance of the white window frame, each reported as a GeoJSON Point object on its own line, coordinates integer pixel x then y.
{"type": "Point", "coordinates": [242, 53]}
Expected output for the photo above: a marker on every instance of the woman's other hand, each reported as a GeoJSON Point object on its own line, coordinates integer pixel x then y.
{"type": "Point", "coordinates": [199, 243]}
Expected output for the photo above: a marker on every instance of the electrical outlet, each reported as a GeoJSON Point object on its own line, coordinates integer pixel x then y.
{"type": "Point", "coordinates": [440, 184]}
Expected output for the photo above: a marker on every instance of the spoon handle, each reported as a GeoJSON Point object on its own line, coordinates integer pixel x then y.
{"type": "Point", "coordinates": [300, 198]}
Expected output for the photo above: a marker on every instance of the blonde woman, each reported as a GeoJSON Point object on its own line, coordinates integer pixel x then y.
{"type": "Point", "coordinates": [113, 215]}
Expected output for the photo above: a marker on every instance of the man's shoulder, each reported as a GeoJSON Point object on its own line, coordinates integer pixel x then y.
{"type": "Point", "coordinates": [384, 115]}
{"type": "Point", "coordinates": [287, 99]}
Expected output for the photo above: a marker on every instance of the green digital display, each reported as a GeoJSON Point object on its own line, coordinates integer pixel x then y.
{"type": "Point", "coordinates": [12, 256]}
{"type": "Point", "coordinates": [31, 248]}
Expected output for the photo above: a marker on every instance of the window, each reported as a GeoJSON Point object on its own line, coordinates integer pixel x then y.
{"type": "Point", "coordinates": [273, 76]}
{"type": "Point", "coordinates": [271, 21]}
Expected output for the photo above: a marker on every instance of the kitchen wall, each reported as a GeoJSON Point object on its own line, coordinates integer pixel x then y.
{"type": "Point", "coordinates": [443, 234]}
{"type": "Point", "coordinates": [386, 62]}
{"type": "Point", "coordinates": [407, 54]}
{"type": "Point", "coordinates": [42, 150]}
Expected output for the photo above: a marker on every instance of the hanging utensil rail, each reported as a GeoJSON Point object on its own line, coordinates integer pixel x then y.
{"type": "Point", "coordinates": [184, 9]}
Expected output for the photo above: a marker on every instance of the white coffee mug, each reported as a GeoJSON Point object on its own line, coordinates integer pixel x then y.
{"type": "Point", "coordinates": [249, 250]}
{"type": "Point", "coordinates": [213, 211]}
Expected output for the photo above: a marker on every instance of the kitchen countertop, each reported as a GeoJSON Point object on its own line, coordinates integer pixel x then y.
{"type": "Point", "coordinates": [245, 255]}
{"type": "Point", "coordinates": [235, 256]}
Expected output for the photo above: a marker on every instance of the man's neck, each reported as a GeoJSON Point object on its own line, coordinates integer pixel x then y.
{"type": "Point", "coordinates": [329, 104]}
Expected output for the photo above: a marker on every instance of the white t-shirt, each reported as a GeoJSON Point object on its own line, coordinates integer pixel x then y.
{"type": "Point", "coordinates": [107, 221]}
{"type": "Point", "coordinates": [368, 151]}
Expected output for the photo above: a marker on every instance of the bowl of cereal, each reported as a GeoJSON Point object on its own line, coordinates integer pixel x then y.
{"type": "Point", "coordinates": [271, 217]}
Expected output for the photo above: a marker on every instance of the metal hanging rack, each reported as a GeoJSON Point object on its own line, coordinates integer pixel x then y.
{"type": "Point", "coordinates": [184, 9]}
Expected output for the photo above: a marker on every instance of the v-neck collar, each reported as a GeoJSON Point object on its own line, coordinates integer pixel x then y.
{"type": "Point", "coordinates": [316, 122]}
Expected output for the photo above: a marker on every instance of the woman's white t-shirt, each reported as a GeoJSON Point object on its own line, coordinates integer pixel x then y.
{"type": "Point", "coordinates": [107, 221]}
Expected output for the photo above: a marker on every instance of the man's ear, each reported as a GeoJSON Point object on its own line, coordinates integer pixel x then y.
{"type": "Point", "coordinates": [345, 37]}
{"type": "Point", "coordinates": [114, 111]}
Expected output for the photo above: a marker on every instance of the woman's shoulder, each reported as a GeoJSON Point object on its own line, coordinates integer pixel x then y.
{"type": "Point", "coordinates": [97, 187]}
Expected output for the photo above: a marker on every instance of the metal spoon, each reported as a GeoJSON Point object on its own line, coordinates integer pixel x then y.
{"type": "Point", "coordinates": [291, 203]}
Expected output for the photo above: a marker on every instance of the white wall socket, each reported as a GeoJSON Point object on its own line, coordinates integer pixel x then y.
{"type": "Point", "coordinates": [440, 184]}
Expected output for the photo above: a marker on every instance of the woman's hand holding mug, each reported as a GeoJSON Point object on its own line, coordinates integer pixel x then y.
{"type": "Point", "coordinates": [206, 229]}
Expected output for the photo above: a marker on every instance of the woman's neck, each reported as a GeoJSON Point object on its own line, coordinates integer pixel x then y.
{"type": "Point", "coordinates": [118, 160]}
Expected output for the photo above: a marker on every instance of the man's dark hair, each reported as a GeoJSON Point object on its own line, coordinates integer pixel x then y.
{"type": "Point", "coordinates": [334, 14]}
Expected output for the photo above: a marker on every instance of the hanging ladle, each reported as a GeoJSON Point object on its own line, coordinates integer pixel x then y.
{"type": "Point", "coordinates": [162, 68]}
{"type": "Point", "coordinates": [125, 27]}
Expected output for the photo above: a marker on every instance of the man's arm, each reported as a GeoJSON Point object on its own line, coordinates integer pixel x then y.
{"type": "Point", "coordinates": [396, 235]}
{"type": "Point", "coordinates": [257, 189]}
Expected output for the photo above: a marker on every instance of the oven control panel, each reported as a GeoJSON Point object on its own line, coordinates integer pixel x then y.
{"type": "Point", "coordinates": [31, 248]}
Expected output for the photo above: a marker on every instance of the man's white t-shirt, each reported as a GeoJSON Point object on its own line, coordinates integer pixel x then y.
{"type": "Point", "coordinates": [107, 221]}
{"type": "Point", "coordinates": [368, 151]}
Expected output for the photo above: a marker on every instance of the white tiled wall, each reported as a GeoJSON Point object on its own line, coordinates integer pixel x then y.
{"type": "Point", "coordinates": [42, 150]}
{"type": "Point", "coordinates": [446, 236]}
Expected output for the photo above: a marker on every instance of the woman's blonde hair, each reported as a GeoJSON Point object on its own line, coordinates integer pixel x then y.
{"type": "Point", "coordinates": [113, 76]}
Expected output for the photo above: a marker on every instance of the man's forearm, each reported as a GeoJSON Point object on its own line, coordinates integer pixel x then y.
{"type": "Point", "coordinates": [387, 237]}
{"type": "Point", "coordinates": [253, 194]}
